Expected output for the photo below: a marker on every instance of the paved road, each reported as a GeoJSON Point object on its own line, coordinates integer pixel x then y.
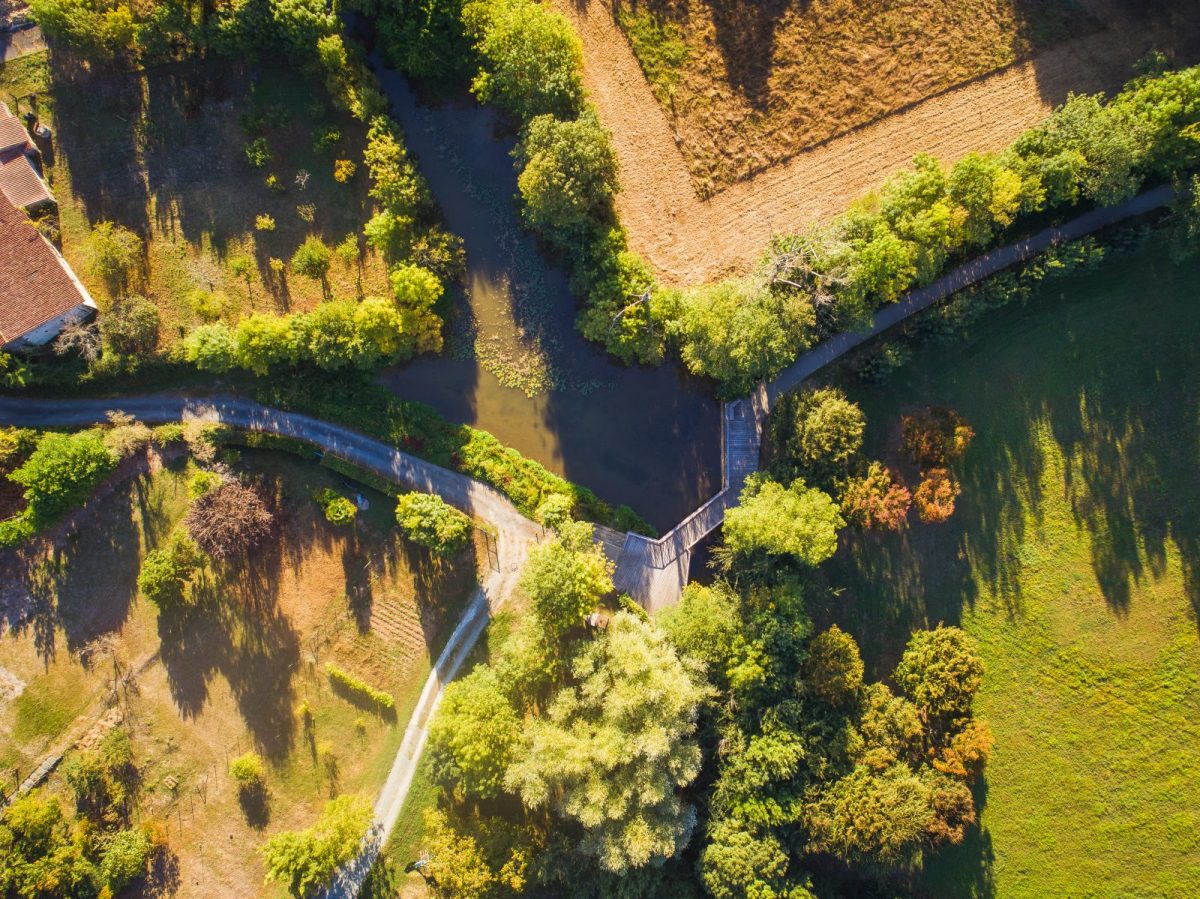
{"type": "Point", "coordinates": [514, 533]}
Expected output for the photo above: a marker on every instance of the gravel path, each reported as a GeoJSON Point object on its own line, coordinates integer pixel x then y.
{"type": "Point", "coordinates": [689, 240]}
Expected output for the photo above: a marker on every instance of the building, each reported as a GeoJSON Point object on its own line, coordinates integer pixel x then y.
{"type": "Point", "coordinates": [39, 294]}
{"type": "Point", "coordinates": [20, 179]}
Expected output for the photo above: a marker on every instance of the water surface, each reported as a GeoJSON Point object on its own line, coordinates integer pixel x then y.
{"type": "Point", "coordinates": [516, 366]}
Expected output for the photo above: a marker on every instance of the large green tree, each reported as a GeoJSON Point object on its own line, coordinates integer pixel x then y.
{"type": "Point", "coordinates": [796, 521]}
{"type": "Point", "coordinates": [568, 177]}
{"type": "Point", "coordinates": [565, 578]}
{"type": "Point", "coordinates": [474, 736]}
{"type": "Point", "coordinates": [614, 749]}
{"type": "Point", "coordinates": [306, 860]}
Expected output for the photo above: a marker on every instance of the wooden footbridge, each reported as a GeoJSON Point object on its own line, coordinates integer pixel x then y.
{"type": "Point", "coordinates": [654, 572]}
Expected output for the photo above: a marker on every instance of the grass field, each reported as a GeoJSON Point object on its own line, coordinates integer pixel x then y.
{"type": "Point", "coordinates": [1074, 560]}
{"type": "Point", "coordinates": [228, 671]}
{"type": "Point", "coordinates": [162, 152]}
{"type": "Point", "coordinates": [748, 85]}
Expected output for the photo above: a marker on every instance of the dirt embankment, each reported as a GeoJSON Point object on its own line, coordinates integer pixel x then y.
{"type": "Point", "coordinates": [689, 240]}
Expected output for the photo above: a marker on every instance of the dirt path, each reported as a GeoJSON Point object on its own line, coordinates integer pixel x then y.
{"type": "Point", "coordinates": [689, 240]}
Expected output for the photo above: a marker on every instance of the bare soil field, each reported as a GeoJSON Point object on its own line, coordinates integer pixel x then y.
{"type": "Point", "coordinates": [748, 85]}
{"type": "Point", "coordinates": [228, 671]}
{"type": "Point", "coordinates": [688, 239]}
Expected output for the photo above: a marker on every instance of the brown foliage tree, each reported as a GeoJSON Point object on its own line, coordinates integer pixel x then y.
{"type": "Point", "coordinates": [968, 751]}
{"type": "Point", "coordinates": [229, 520]}
{"type": "Point", "coordinates": [877, 500]}
{"type": "Point", "coordinates": [935, 496]}
{"type": "Point", "coordinates": [953, 811]}
{"type": "Point", "coordinates": [936, 437]}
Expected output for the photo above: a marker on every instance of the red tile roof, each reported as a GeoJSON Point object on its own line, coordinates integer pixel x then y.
{"type": "Point", "coordinates": [36, 285]}
{"type": "Point", "coordinates": [19, 181]}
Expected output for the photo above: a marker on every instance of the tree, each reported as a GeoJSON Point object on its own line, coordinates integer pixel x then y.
{"type": "Point", "coordinates": [12, 372]}
{"type": "Point", "coordinates": [230, 520]}
{"type": "Point", "coordinates": [884, 265]}
{"type": "Point", "coordinates": [247, 771]}
{"type": "Point", "coordinates": [125, 858]}
{"type": "Point", "coordinates": [706, 625]}
{"type": "Point", "coordinates": [474, 737]}
{"type": "Point", "coordinates": [613, 749]}
{"type": "Point", "coordinates": [739, 864]}
{"type": "Point", "coordinates": [414, 287]}
{"type": "Point", "coordinates": [531, 58]}
{"type": "Point", "coordinates": [95, 29]}
{"type": "Point", "coordinates": [312, 258]}
{"type": "Point", "coordinates": [565, 578]}
{"type": "Point", "coordinates": [263, 341]}
{"type": "Point", "coordinates": [876, 500]}
{"type": "Point", "coordinates": [879, 820]}
{"type": "Point", "coordinates": [489, 861]}
{"type": "Point", "coordinates": [833, 670]}
{"type": "Point", "coordinates": [940, 672]}
{"type": "Point", "coordinates": [738, 331]}
{"type": "Point", "coordinates": [795, 521]}
{"type": "Point", "coordinates": [429, 521]}
{"type": "Point", "coordinates": [40, 856]}
{"type": "Point", "coordinates": [305, 860]}
{"type": "Point", "coordinates": [166, 570]}
{"type": "Point", "coordinates": [568, 177]}
{"type": "Point", "coordinates": [936, 436]}
{"type": "Point", "coordinates": [210, 348]}
{"type": "Point", "coordinates": [826, 432]}
{"type": "Point", "coordinates": [61, 472]}
{"type": "Point", "coordinates": [116, 255]}
{"type": "Point", "coordinates": [935, 496]}
{"type": "Point", "coordinates": [130, 327]}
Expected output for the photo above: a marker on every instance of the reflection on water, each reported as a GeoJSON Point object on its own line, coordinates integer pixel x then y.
{"type": "Point", "coordinates": [515, 366]}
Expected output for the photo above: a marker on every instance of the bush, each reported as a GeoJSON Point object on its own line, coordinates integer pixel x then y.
{"type": "Point", "coordinates": [248, 771]}
{"type": "Point", "coordinates": [61, 472]}
{"type": "Point", "coordinates": [130, 327]}
{"type": "Point", "coordinates": [354, 685]}
{"type": "Point", "coordinates": [203, 481]}
{"type": "Point", "coordinates": [935, 496]}
{"type": "Point", "coordinates": [312, 259]}
{"type": "Point", "coordinates": [116, 254]}
{"type": "Point", "coordinates": [165, 571]}
{"type": "Point", "coordinates": [343, 170]}
{"type": "Point", "coordinates": [429, 521]}
{"type": "Point", "coordinates": [257, 152]}
{"type": "Point", "coordinates": [230, 520]}
{"type": "Point", "coordinates": [338, 510]}
{"type": "Point", "coordinates": [936, 436]}
{"type": "Point", "coordinates": [264, 223]}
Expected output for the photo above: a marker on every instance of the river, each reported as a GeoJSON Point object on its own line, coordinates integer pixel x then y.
{"type": "Point", "coordinates": [514, 363]}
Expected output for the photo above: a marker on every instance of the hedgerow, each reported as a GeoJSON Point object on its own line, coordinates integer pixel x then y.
{"type": "Point", "coordinates": [342, 678]}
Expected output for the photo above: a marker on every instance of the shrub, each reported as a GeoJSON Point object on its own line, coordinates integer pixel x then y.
{"type": "Point", "coordinates": [61, 472]}
{"type": "Point", "coordinates": [429, 521]}
{"type": "Point", "coordinates": [130, 327]}
{"type": "Point", "coordinates": [343, 170]}
{"type": "Point", "coordinates": [337, 508]}
{"type": "Point", "coordinates": [264, 222]}
{"type": "Point", "coordinates": [210, 348]}
{"type": "Point", "coordinates": [876, 500]}
{"type": "Point", "coordinates": [257, 152]}
{"type": "Point", "coordinates": [229, 520]}
{"type": "Point", "coordinates": [248, 771]}
{"type": "Point", "coordinates": [203, 481]}
{"type": "Point", "coordinates": [936, 436]}
{"type": "Point", "coordinates": [355, 685]}
{"type": "Point", "coordinates": [326, 139]}
{"type": "Point", "coordinates": [312, 259]}
{"type": "Point", "coordinates": [162, 435]}
{"type": "Point", "coordinates": [166, 570]}
{"type": "Point", "coordinates": [116, 254]}
{"type": "Point", "coordinates": [935, 496]}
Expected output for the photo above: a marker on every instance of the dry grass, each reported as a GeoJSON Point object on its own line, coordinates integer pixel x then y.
{"type": "Point", "coordinates": [161, 152]}
{"type": "Point", "coordinates": [234, 665]}
{"type": "Point", "coordinates": [748, 85]}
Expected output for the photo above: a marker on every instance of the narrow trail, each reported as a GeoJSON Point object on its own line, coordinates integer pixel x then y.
{"type": "Point", "coordinates": [688, 240]}
{"type": "Point", "coordinates": [514, 533]}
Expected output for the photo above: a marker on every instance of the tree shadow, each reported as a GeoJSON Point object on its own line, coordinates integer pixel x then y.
{"type": "Point", "coordinates": [745, 34]}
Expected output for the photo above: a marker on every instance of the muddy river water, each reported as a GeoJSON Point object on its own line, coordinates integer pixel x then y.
{"type": "Point", "coordinates": [515, 365]}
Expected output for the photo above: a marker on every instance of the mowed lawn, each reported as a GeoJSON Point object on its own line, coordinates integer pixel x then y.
{"type": "Point", "coordinates": [1074, 560]}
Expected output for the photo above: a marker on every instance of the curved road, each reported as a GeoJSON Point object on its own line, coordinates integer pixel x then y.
{"type": "Point", "coordinates": [514, 531]}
